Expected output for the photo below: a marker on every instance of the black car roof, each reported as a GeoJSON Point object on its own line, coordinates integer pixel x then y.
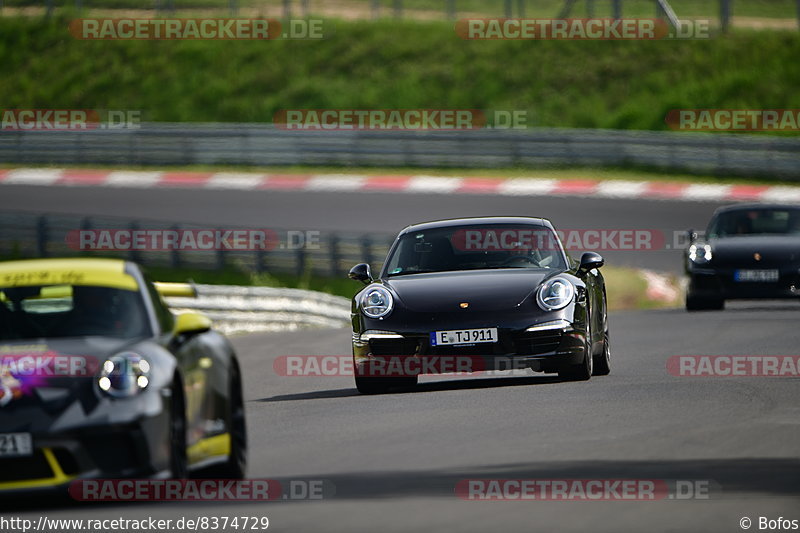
{"type": "Point", "coordinates": [447, 223]}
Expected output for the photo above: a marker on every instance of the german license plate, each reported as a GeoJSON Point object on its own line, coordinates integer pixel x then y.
{"type": "Point", "coordinates": [757, 276]}
{"type": "Point", "coordinates": [15, 444]}
{"type": "Point", "coordinates": [463, 336]}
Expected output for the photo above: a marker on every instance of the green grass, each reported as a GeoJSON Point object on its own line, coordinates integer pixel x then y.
{"type": "Point", "coordinates": [388, 65]}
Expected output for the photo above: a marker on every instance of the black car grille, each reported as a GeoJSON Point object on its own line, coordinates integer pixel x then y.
{"type": "Point", "coordinates": [533, 343]}
{"type": "Point", "coordinates": [406, 346]}
{"type": "Point", "coordinates": [24, 468]}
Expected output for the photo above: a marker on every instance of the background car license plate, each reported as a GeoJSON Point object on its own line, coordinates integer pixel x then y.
{"type": "Point", "coordinates": [760, 276]}
{"type": "Point", "coordinates": [15, 444]}
{"type": "Point", "coordinates": [463, 336]}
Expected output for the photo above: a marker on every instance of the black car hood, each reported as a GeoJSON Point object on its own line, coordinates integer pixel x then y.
{"type": "Point", "coordinates": [774, 250]}
{"type": "Point", "coordinates": [483, 290]}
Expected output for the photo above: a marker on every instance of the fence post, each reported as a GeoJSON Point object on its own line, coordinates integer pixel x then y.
{"type": "Point", "coordinates": [300, 261]}
{"type": "Point", "coordinates": [333, 243]}
{"type": "Point", "coordinates": [366, 249]}
{"type": "Point", "coordinates": [175, 253]}
{"type": "Point", "coordinates": [617, 9]}
{"type": "Point", "coordinates": [725, 14]}
{"type": "Point", "coordinates": [41, 236]}
{"type": "Point", "coordinates": [134, 253]}
{"type": "Point", "coordinates": [86, 225]}
{"type": "Point", "coordinates": [450, 8]}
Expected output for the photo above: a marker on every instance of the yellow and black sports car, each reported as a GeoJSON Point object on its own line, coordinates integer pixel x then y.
{"type": "Point", "coordinates": [99, 379]}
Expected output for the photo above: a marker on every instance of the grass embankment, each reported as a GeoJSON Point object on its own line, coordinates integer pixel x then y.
{"type": "Point", "coordinates": [398, 65]}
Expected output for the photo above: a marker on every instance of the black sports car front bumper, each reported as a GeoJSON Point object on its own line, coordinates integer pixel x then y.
{"type": "Point", "coordinates": [545, 350]}
{"type": "Point", "coordinates": [722, 283]}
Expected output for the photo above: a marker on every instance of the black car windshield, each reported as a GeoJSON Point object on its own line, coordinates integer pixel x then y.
{"type": "Point", "coordinates": [757, 221]}
{"type": "Point", "coordinates": [54, 311]}
{"type": "Point", "coordinates": [476, 247]}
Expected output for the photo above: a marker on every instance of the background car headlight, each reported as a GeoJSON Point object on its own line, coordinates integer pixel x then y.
{"type": "Point", "coordinates": [555, 294]}
{"type": "Point", "coordinates": [700, 253]}
{"type": "Point", "coordinates": [124, 375]}
{"type": "Point", "coordinates": [377, 302]}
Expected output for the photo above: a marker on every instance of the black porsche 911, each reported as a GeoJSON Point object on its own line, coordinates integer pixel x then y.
{"type": "Point", "coordinates": [497, 291]}
{"type": "Point", "coordinates": [99, 379]}
{"type": "Point", "coordinates": [748, 252]}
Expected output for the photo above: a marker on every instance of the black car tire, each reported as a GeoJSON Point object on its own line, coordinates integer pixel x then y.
{"type": "Point", "coordinates": [583, 370]}
{"type": "Point", "coordinates": [382, 385]}
{"type": "Point", "coordinates": [236, 466]}
{"type": "Point", "coordinates": [602, 361]}
{"type": "Point", "coordinates": [698, 303]}
{"type": "Point", "coordinates": [178, 462]}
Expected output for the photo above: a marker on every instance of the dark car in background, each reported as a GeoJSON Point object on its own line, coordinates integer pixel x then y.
{"type": "Point", "coordinates": [748, 252]}
{"type": "Point", "coordinates": [99, 379]}
{"type": "Point", "coordinates": [494, 290]}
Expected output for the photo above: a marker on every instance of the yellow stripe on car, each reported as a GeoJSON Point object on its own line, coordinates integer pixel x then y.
{"type": "Point", "coordinates": [58, 478]}
{"type": "Point", "coordinates": [76, 271]}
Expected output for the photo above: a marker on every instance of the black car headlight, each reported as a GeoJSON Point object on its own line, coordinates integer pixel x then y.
{"type": "Point", "coordinates": [377, 302]}
{"type": "Point", "coordinates": [700, 253]}
{"type": "Point", "coordinates": [124, 375]}
{"type": "Point", "coordinates": [555, 294]}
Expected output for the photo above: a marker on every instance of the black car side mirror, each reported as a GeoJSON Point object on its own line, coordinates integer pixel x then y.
{"type": "Point", "coordinates": [691, 235]}
{"type": "Point", "coordinates": [590, 260]}
{"type": "Point", "coordinates": [361, 272]}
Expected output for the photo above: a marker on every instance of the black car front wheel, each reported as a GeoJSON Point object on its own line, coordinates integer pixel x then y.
{"type": "Point", "coordinates": [382, 385]}
{"type": "Point", "coordinates": [703, 303]}
{"type": "Point", "coordinates": [602, 361]}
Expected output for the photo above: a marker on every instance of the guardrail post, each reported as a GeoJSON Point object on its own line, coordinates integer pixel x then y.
{"type": "Point", "coordinates": [521, 8]}
{"type": "Point", "coordinates": [590, 9]}
{"type": "Point", "coordinates": [41, 236]}
{"type": "Point", "coordinates": [233, 6]}
{"type": "Point", "coordinates": [175, 253]}
{"type": "Point", "coordinates": [259, 261]}
{"type": "Point", "coordinates": [287, 9]}
{"type": "Point", "coordinates": [508, 9]}
{"type": "Point", "coordinates": [333, 243]}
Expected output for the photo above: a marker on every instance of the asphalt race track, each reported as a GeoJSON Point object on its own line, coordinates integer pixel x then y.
{"type": "Point", "coordinates": [369, 212]}
{"type": "Point", "coordinates": [396, 459]}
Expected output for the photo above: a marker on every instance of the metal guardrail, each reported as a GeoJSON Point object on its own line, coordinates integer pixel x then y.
{"type": "Point", "coordinates": [29, 235]}
{"type": "Point", "coordinates": [255, 309]}
{"type": "Point", "coordinates": [264, 145]}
